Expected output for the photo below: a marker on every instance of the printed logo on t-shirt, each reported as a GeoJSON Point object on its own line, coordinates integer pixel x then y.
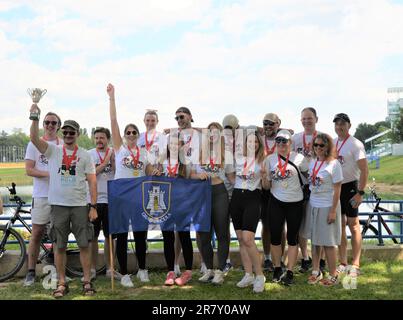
{"type": "Point", "coordinates": [304, 152]}
{"type": "Point", "coordinates": [68, 174]}
{"type": "Point", "coordinates": [316, 184]}
{"type": "Point", "coordinates": [277, 176]}
{"type": "Point", "coordinates": [43, 159]}
{"type": "Point", "coordinates": [128, 162]}
{"type": "Point", "coordinates": [107, 169]}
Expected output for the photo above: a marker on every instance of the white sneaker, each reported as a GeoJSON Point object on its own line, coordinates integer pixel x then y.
{"type": "Point", "coordinates": [247, 280]}
{"type": "Point", "coordinates": [93, 275]}
{"type": "Point", "coordinates": [143, 275]}
{"type": "Point", "coordinates": [126, 281]}
{"type": "Point", "coordinates": [218, 277]}
{"type": "Point", "coordinates": [116, 275]}
{"type": "Point", "coordinates": [258, 285]}
{"type": "Point", "coordinates": [203, 268]}
{"type": "Point", "coordinates": [208, 276]}
{"type": "Point", "coordinates": [177, 270]}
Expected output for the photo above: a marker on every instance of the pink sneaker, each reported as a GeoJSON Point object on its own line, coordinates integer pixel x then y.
{"type": "Point", "coordinates": [184, 278]}
{"type": "Point", "coordinates": [170, 281]}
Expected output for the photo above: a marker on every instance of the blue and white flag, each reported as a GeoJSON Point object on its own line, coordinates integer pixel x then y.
{"type": "Point", "coordinates": [176, 204]}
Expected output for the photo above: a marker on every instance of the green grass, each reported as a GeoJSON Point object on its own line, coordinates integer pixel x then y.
{"type": "Point", "coordinates": [390, 171]}
{"type": "Point", "coordinates": [8, 175]}
{"type": "Point", "coordinates": [380, 280]}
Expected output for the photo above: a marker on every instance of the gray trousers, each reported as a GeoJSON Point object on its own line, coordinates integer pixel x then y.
{"type": "Point", "coordinates": [220, 224]}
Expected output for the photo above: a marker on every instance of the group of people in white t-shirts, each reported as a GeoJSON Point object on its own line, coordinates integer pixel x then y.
{"type": "Point", "coordinates": [257, 174]}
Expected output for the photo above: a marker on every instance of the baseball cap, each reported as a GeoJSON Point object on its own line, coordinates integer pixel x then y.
{"type": "Point", "coordinates": [284, 134]}
{"type": "Point", "coordinates": [341, 116]}
{"type": "Point", "coordinates": [230, 121]}
{"type": "Point", "coordinates": [72, 124]}
{"type": "Point", "coordinates": [272, 117]}
{"type": "Point", "coordinates": [185, 110]}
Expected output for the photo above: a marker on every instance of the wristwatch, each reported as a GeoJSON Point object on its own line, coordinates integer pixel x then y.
{"type": "Point", "coordinates": [361, 192]}
{"type": "Point", "coordinates": [92, 206]}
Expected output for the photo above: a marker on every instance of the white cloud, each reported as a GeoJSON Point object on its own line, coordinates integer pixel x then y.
{"type": "Point", "coordinates": [322, 54]}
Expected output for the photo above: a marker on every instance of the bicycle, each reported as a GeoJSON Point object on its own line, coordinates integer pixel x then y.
{"type": "Point", "coordinates": [13, 242]}
{"type": "Point", "coordinates": [367, 224]}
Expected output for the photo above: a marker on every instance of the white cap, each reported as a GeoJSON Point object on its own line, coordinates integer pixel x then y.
{"type": "Point", "coordinates": [284, 134]}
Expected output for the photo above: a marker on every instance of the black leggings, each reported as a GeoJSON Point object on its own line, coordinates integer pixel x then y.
{"type": "Point", "coordinates": [169, 248]}
{"type": "Point", "coordinates": [281, 212]}
{"type": "Point", "coordinates": [140, 240]}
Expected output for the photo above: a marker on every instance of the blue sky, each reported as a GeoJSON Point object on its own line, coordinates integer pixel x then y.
{"type": "Point", "coordinates": [216, 57]}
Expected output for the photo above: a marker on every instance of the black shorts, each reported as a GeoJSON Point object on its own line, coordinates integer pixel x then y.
{"type": "Point", "coordinates": [102, 221]}
{"type": "Point", "coordinates": [245, 209]}
{"type": "Point", "coordinates": [348, 190]}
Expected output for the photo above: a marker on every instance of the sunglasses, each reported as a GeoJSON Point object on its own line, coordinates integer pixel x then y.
{"type": "Point", "coordinates": [268, 123]}
{"type": "Point", "coordinates": [228, 127]}
{"type": "Point", "coordinates": [134, 133]}
{"type": "Point", "coordinates": [281, 140]}
{"type": "Point", "coordinates": [69, 133]}
{"type": "Point", "coordinates": [181, 117]}
{"type": "Point", "coordinates": [53, 123]}
{"type": "Point", "coordinates": [320, 145]}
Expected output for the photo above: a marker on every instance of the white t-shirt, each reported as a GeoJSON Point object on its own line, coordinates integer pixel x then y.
{"type": "Point", "coordinates": [191, 147]}
{"type": "Point", "coordinates": [41, 185]}
{"type": "Point", "coordinates": [125, 164]}
{"type": "Point", "coordinates": [352, 151]}
{"type": "Point", "coordinates": [174, 169]}
{"type": "Point", "coordinates": [322, 191]}
{"type": "Point", "coordinates": [298, 144]}
{"type": "Point", "coordinates": [287, 188]}
{"type": "Point", "coordinates": [103, 177]}
{"type": "Point", "coordinates": [248, 177]}
{"type": "Point", "coordinates": [217, 172]}
{"type": "Point", "coordinates": [68, 186]}
{"type": "Point", "coordinates": [158, 143]}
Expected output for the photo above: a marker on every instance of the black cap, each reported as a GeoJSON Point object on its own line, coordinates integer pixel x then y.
{"type": "Point", "coordinates": [72, 124]}
{"type": "Point", "coordinates": [185, 110]}
{"type": "Point", "coordinates": [341, 116]}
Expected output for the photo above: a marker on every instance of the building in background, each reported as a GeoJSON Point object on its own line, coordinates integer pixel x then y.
{"type": "Point", "coordinates": [395, 103]}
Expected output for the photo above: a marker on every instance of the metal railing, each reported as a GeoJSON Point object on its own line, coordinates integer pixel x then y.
{"type": "Point", "coordinates": [375, 221]}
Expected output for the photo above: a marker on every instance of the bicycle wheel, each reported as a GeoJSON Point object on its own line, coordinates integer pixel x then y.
{"type": "Point", "coordinates": [73, 265]}
{"type": "Point", "coordinates": [369, 230]}
{"type": "Point", "coordinates": [12, 253]}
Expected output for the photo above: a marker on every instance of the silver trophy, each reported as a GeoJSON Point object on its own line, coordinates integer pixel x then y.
{"type": "Point", "coordinates": [36, 94]}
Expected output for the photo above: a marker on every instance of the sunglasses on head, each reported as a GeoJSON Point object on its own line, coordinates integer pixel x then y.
{"type": "Point", "coordinates": [181, 117]}
{"type": "Point", "coordinates": [69, 133]}
{"type": "Point", "coordinates": [134, 133]}
{"type": "Point", "coordinates": [281, 140]}
{"type": "Point", "coordinates": [48, 122]}
{"type": "Point", "coordinates": [321, 145]}
{"type": "Point", "coordinates": [268, 123]}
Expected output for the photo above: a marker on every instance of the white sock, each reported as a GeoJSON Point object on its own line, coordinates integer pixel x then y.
{"type": "Point", "coordinates": [228, 260]}
{"type": "Point", "coordinates": [267, 256]}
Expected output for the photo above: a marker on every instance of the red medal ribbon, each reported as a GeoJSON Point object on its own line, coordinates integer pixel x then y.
{"type": "Point", "coordinates": [137, 157]}
{"type": "Point", "coordinates": [315, 172]}
{"type": "Point", "coordinates": [281, 167]}
{"type": "Point", "coordinates": [67, 160]}
{"type": "Point", "coordinates": [268, 150]}
{"type": "Point", "coordinates": [337, 145]}
{"type": "Point", "coordinates": [246, 167]}
{"type": "Point", "coordinates": [212, 163]}
{"type": "Point", "coordinates": [308, 146]}
{"type": "Point", "coordinates": [149, 145]}
{"type": "Point", "coordinates": [100, 158]}
{"type": "Point", "coordinates": [172, 171]}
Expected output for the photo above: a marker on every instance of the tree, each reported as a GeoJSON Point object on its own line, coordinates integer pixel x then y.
{"type": "Point", "coordinates": [365, 131]}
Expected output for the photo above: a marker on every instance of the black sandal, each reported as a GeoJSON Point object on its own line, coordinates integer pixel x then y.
{"type": "Point", "coordinates": [88, 291]}
{"type": "Point", "coordinates": [60, 293]}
